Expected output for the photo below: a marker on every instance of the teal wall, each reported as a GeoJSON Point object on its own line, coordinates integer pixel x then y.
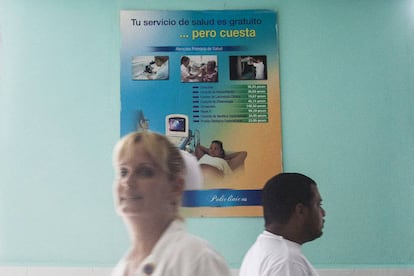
{"type": "Point", "coordinates": [347, 96]}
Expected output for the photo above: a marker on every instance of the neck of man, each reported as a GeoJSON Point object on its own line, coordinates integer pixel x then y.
{"type": "Point", "coordinates": [288, 231]}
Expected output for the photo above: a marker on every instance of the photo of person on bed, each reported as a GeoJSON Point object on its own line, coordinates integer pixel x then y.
{"type": "Point", "coordinates": [215, 164]}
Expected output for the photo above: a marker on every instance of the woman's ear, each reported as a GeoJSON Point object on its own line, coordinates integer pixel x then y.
{"type": "Point", "coordinates": [177, 190]}
{"type": "Point", "coordinates": [178, 186]}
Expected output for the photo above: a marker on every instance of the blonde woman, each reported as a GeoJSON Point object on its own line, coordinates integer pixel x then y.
{"type": "Point", "coordinates": [150, 179]}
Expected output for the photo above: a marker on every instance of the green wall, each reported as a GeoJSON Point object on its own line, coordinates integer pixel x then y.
{"type": "Point", "coordinates": [347, 96]}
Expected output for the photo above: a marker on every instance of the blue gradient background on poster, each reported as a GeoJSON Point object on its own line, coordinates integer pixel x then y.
{"type": "Point", "coordinates": [162, 97]}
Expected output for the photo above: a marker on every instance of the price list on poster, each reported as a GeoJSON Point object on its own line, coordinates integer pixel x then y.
{"type": "Point", "coordinates": [237, 104]}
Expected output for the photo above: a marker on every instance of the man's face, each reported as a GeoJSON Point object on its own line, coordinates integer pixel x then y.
{"type": "Point", "coordinates": [315, 216]}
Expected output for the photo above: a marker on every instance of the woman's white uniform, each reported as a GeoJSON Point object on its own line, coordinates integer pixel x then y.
{"type": "Point", "coordinates": [184, 73]}
{"type": "Point", "coordinates": [178, 253]}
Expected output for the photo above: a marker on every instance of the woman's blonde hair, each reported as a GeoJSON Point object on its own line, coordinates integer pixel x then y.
{"type": "Point", "coordinates": [163, 153]}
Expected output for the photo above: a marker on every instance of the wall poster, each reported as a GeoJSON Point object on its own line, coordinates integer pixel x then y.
{"type": "Point", "coordinates": [202, 76]}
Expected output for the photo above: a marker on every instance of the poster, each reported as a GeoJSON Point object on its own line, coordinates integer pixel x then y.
{"type": "Point", "coordinates": [203, 76]}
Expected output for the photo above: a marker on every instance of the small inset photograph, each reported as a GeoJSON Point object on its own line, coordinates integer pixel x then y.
{"type": "Point", "coordinates": [199, 68]}
{"type": "Point", "coordinates": [248, 68]}
{"type": "Point", "coordinates": [150, 68]}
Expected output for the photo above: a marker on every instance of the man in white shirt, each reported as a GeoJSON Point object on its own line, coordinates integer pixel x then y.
{"type": "Point", "coordinates": [293, 216]}
{"type": "Point", "coordinates": [162, 71]}
{"type": "Point", "coordinates": [260, 68]}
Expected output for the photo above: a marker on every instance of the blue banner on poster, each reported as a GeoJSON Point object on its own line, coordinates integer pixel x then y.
{"type": "Point", "coordinates": [222, 198]}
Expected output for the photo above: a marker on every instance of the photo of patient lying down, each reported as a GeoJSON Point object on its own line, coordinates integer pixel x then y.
{"type": "Point", "coordinates": [216, 164]}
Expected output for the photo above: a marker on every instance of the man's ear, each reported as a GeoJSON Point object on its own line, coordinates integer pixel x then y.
{"type": "Point", "coordinates": [300, 209]}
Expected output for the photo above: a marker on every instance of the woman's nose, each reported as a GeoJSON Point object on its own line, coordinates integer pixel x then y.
{"type": "Point", "coordinates": [127, 181]}
{"type": "Point", "coordinates": [130, 182]}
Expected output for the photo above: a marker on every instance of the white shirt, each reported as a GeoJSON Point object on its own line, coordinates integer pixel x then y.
{"type": "Point", "coordinates": [272, 255]}
{"type": "Point", "coordinates": [178, 253]}
{"type": "Point", "coordinates": [259, 70]}
{"type": "Point", "coordinates": [162, 73]}
{"type": "Point", "coordinates": [184, 73]}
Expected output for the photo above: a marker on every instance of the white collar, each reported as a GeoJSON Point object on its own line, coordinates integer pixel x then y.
{"type": "Point", "coordinates": [149, 264]}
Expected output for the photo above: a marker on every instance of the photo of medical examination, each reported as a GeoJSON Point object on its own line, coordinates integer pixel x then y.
{"type": "Point", "coordinates": [218, 160]}
{"type": "Point", "coordinates": [216, 163]}
{"type": "Point", "coordinates": [199, 69]}
{"type": "Point", "coordinates": [248, 68]}
{"type": "Point", "coordinates": [150, 68]}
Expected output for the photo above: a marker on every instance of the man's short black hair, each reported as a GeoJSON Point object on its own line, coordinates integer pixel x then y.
{"type": "Point", "coordinates": [282, 193]}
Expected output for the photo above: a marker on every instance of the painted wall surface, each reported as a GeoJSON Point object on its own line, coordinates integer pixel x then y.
{"type": "Point", "coordinates": [347, 92]}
